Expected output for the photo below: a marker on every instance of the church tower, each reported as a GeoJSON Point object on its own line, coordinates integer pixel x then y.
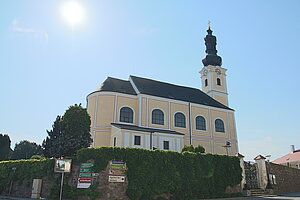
{"type": "Point", "coordinates": [213, 76]}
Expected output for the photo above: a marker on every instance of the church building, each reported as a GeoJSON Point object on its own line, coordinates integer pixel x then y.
{"type": "Point", "coordinates": [150, 114]}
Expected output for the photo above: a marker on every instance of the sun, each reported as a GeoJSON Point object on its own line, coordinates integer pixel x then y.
{"type": "Point", "coordinates": [73, 13]}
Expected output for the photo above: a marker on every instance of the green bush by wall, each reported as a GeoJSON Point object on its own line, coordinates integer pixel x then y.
{"type": "Point", "coordinates": [24, 170]}
{"type": "Point", "coordinates": [184, 175]}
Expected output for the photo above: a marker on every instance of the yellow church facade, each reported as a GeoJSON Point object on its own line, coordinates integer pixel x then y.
{"type": "Point", "coordinates": [146, 113]}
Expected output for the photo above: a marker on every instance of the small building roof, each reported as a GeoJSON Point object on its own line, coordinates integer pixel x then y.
{"type": "Point", "coordinates": [291, 157]}
{"type": "Point", "coordinates": [144, 129]}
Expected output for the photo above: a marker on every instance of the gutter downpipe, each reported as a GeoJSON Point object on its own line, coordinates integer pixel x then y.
{"type": "Point", "coordinates": [190, 124]}
{"type": "Point", "coordinates": [151, 145]}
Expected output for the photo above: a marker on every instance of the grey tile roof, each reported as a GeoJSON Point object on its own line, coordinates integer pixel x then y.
{"type": "Point", "coordinates": [116, 85]}
{"type": "Point", "coordinates": [160, 89]}
{"type": "Point", "coordinates": [176, 92]}
{"type": "Point", "coordinates": [144, 129]}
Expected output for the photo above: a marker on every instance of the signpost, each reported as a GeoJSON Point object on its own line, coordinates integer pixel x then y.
{"type": "Point", "coordinates": [116, 179]}
{"type": "Point", "coordinates": [117, 171]}
{"type": "Point", "coordinates": [85, 175]}
{"type": "Point", "coordinates": [62, 166]}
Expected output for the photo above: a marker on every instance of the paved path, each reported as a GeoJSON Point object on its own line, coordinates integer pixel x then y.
{"type": "Point", "coordinates": [289, 196]}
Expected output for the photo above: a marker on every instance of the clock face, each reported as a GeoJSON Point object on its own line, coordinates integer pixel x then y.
{"type": "Point", "coordinates": [218, 71]}
{"type": "Point", "coordinates": [205, 72]}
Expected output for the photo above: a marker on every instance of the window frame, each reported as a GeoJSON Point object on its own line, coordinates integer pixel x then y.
{"type": "Point", "coordinates": [217, 129]}
{"type": "Point", "coordinates": [140, 140]}
{"type": "Point", "coordinates": [185, 122]}
{"type": "Point", "coordinates": [115, 142]}
{"type": "Point", "coordinates": [163, 116]}
{"type": "Point", "coordinates": [166, 142]}
{"type": "Point", "coordinates": [219, 83]}
{"type": "Point", "coordinates": [133, 114]}
{"type": "Point", "coordinates": [200, 116]}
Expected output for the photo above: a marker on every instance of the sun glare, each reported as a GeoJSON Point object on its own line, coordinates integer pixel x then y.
{"type": "Point", "coordinates": [73, 13]}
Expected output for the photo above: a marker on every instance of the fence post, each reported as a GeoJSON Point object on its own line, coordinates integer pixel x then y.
{"type": "Point", "coordinates": [262, 171]}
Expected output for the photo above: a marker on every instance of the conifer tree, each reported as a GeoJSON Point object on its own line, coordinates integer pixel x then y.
{"type": "Point", "coordinates": [53, 144]}
{"type": "Point", "coordinates": [4, 147]}
{"type": "Point", "coordinates": [69, 133]}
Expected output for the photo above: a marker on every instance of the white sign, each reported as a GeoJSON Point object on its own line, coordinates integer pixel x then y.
{"type": "Point", "coordinates": [116, 179]}
{"type": "Point", "coordinates": [62, 165]}
{"type": "Point", "coordinates": [83, 185]}
{"type": "Point", "coordinates": [84, 182]}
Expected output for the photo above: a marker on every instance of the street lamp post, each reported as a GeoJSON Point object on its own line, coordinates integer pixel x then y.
{"type": "Point", "coordinates": [12, 179]}
{"type": "Point", "coordinates": [227, 146]}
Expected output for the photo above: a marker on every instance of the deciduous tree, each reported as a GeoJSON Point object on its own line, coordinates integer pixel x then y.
{"type": "Point", "coordinates": [25, 149]}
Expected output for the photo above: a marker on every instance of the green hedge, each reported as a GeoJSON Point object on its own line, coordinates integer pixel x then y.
{"type": "Point", "coordinates": [25, 170]}
{"type": "Point", "coordinates": [184, 175]}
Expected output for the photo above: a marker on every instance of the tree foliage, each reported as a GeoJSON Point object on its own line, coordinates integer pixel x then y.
{"type": "Point", "coordinates": [69, 133]}
{"type": "Point", "coordinates": [25, 150]}
{"type": "Point", "coordinates": [4, 147]}
{"type": "Point", "coordinates": [191, 148]}
{"type": "Point", "coordinates": [53, 144]}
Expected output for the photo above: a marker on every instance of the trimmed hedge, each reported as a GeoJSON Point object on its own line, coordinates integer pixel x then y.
{"type": "Point", "coordinates": [184, 175]}
{"type": "Point", "coordinates": [25, 169]}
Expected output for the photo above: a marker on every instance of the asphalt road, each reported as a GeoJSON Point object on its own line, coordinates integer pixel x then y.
{"type": "Point", "coordinates": [289, 196]}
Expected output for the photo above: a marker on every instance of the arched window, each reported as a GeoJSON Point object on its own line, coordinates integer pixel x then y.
{"type": "Point", "coordinates": [157, 117]}
{"type": "Point", "coordinates": [206, 83]}
{"type": "Point", "coordinates": [218, 81]}
{"type": "Point", "coordinates": [179, 120]}
{"type": "Point", "coordinates": [219, 126]}
{"type": "Point", "coordinates": [126, 115]}
{"type": "Point", "coordinates": [200, 123]}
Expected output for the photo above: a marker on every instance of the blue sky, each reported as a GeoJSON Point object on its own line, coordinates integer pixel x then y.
{"type": "Point", "coordinates": [46, 65]}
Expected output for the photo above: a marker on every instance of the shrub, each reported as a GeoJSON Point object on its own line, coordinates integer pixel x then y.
{"type": "Point", "coordinates": [184, 175]}
{"type": "Point", "coordinates": [24, 170]}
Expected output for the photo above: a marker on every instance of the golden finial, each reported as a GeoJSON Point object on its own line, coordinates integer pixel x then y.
{"type": "Point", "coordinates": [209, 22]}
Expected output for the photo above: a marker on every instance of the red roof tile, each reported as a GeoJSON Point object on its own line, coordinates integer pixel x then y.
{"type": "Point", "coordinates": [292, 157]}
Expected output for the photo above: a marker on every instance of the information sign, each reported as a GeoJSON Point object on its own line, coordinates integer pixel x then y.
{"type": "Point", "coordinates": [62, 165]}
{"type": "Point", "coordinates": [116, 179]}
{"type": "Point", "coordinates": [84, 182]}
{"type": "Point", "coordinates": [115, 164]}
{"type": "Point", "coordinates": [85, 169]}
{"type": "Point", "coordinates": [117, 167]}
{"type": "Point", "coordinates": [85, 175]}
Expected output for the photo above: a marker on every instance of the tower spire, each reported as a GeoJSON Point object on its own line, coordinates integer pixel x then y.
{"type": "Point", "coordinates": [211, 57]}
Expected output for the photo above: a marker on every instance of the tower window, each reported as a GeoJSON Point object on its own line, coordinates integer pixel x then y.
{"type": "Point", "coordinates": [218, 81]}
{"type": "Point", "coordinates": [126, 115]}
{"type": "Point", "coordinates": [179, 120]}
{"type": "Point", "coordinates": [200, 123]}
{"type": "Point", "coordinates": [206, 83]}
{"type": "Point", "coordinates": [157, 117]}
{"type": "Point", "coordinates": [219, 126]}
{"type": "Point", "coordinates": [137, 140]}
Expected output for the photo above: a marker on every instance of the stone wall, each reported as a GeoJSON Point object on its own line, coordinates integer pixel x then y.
{"type": "Point", "coordinates": [287, 179]}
